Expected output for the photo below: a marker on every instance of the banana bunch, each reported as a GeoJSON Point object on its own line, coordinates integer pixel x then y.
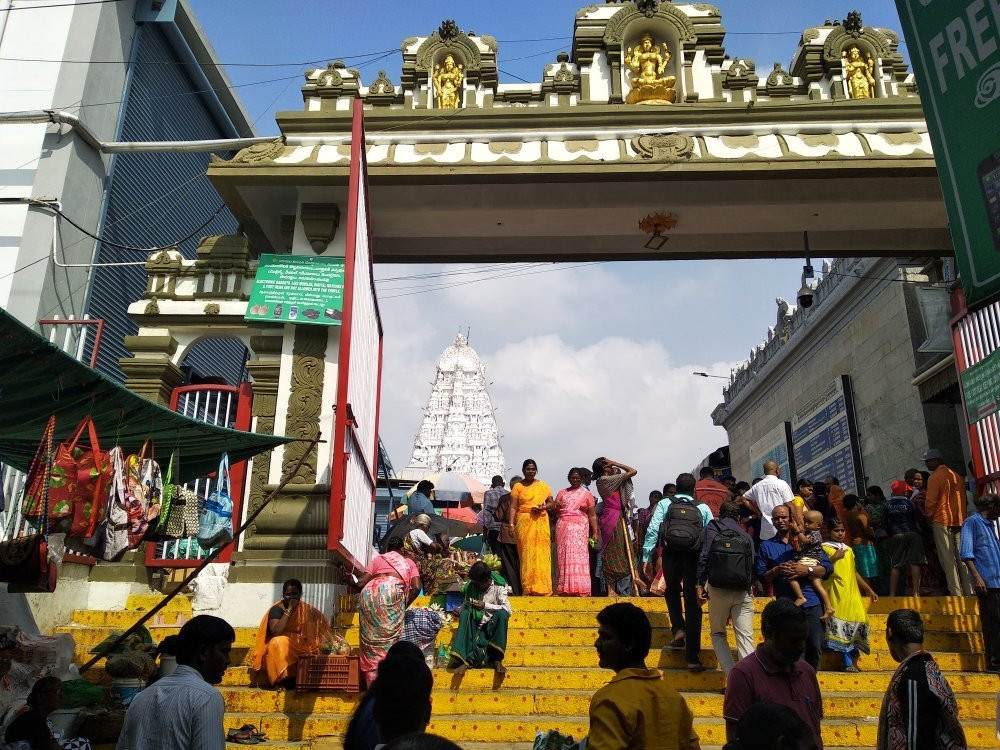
{"type": "Point", "coordinates": [492, 561]}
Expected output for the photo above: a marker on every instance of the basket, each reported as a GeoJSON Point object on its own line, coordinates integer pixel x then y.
{"type": "Point", "coordinates": [328, 672]}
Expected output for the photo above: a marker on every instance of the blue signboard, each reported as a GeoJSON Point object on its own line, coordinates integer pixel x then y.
{"type": "Point", "coordinates": [773, 446]}
{"type": "Point", "coordinates": [824, 439]}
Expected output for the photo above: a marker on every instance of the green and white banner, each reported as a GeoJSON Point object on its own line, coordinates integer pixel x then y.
{"type": "Point", "coordinates": [298, 289]}
{"type": "Point", "coordinates": [955, 47]}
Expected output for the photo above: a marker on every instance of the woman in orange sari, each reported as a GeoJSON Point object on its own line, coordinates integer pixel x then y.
{"type": "Point", "coordinates": [290, 629]}
{"type": "Point", "coordinates": [531, 503]}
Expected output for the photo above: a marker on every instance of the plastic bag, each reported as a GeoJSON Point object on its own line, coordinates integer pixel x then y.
{"type": "Point", "coordinates": [80, 693]}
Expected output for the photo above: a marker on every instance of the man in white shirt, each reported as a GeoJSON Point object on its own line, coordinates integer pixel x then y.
{"type": "Point", "coordinates": [183, 711]}
{"type": "Point", "coordinates": [768, 494]}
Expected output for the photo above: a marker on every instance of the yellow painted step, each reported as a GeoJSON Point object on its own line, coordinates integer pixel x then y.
{"type": "Point", "coordinates": [568, 703]}
{"type": "Point", "coordinates": [462, 729]}
{"type": "Point", "coordinates": [144, 602]}
{"type": "Point", "coordinates": [533, 637]}
{"type": "Point", "coordinates": [570, 658]}
{"type": "Point", "coordinates": [941, 605]}
{"type": "Point", "coordinates": [659, 619]}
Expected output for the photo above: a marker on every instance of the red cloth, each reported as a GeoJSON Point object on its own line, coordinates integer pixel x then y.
{"type": "Point", "coordinates": [712, 493]}
{"type": "Point", "coordinates": [757, 678]}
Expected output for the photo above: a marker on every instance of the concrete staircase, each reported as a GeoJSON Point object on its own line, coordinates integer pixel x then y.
{"type": "Point", "coordinates": [553, 673]}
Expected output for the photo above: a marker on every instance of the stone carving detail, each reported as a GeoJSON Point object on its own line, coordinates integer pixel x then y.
{"type": "Point", "coordinates": [647, 7]}
{"type": "Point", "coordinates": [151, 308]}
{"type": "Point", "coordinates": [329, 78]}
{"type": "Point", "coordinates": [212, 308]}
{"type": "Point", "coordinates": [810, 35]}
{"type": "Point", "coordinates": [381, 86]}
{"type": "Point", "coordinates": [741, 74]}
{"type": "Point", "coordinates": [779, 82]}
{"type": "Point", "coordinates": [261, 469]}
{"type": "Point", "coordinates": [708, 7]}
{"type": "Point", "coordinates": [320, 222]}
{"type": "Point", "coordinates": [260, 153]}
{"type": "Point", "coordinates": [564, 74]}
{"type": "Point", "coordinates": [448, 31]}
{"type": "Point", "coordinates": [489, 41]}
{"type": "Point", "coordinates": [614, 33]}
{"type": "Point", "coordinates": [664, 147]}
{"type": "Point", "coordinates": [853, 24]}
{"type": "Point", "coordinates": [304, 401]}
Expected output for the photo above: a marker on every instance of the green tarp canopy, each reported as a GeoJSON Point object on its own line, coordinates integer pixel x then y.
{"type": "Point", "coordinates": [37, 380]}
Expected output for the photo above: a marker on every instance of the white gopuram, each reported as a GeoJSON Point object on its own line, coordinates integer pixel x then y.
{"type": "Point", "coordinates": [459, 431]}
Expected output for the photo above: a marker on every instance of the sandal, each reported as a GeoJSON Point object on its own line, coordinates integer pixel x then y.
{"type": "Point", "coordinates": [246, 735]}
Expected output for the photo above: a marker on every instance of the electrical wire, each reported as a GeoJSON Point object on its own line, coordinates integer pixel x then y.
{"type": "Point", "coordinates": [492, 278]}
{"type": "Point", "coordinates": [511, 269]}
{"type": "Point", "coordinates": [77, 4]}
{"type": "Point", "coordinates": [118, 245]}
{"type": "Point", "coordinates": [455, 272]}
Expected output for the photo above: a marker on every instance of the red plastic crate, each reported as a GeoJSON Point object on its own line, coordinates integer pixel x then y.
{"type": "Point", "coordinates": [328, 672]}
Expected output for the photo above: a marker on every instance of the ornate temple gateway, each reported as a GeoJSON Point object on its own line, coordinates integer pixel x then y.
{"type": "Point", "coordinates": [459, 430]}
{"type": "Point", "coordinates": [648, 111]}
{"type": "Point", "coordinates": [648, 139]}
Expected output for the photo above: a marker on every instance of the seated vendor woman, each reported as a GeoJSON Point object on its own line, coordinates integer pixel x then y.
{"type": "Point", "coordinates": [481, 639]}
{"type": "Point", "coordinates": [290, 629]}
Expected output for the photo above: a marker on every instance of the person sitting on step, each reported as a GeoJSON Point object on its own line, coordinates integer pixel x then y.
{"type": "Point", "coordinates": [481, 639]}
{"type": "Point", "coordinates": [289, 630]}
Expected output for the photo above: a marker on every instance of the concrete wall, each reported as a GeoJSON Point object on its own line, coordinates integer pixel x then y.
{"type": "Point", "coordinates": [870, 332]}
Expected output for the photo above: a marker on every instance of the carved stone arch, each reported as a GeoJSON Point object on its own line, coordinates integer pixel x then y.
{"type": "Point", "coordinates": [617, 26]}
{"type": "Point", "coordinates": [868, 40]}
{"type": "Point", "coordinates": [645, 11]}
{"type": "Point", "coordinates": [465, 51]}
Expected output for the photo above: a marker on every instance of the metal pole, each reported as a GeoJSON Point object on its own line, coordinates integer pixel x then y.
{"type": "Point", "coordinates": [204, 564]}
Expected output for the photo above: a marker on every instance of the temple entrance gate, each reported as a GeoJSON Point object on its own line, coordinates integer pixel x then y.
{"type": "Point", "coordinates": [647, 127]}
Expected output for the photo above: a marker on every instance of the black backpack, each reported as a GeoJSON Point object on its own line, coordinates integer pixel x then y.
{"type": "Point", "coordinates": [681, 529]}
{"type": "Point", "coordinates": [730, 560]}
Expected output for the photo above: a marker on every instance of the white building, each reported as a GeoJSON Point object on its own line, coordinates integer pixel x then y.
{"type": "Point", "coordinates": [77, 77]}
{"type": "Point", "coordinates": [459, 430]}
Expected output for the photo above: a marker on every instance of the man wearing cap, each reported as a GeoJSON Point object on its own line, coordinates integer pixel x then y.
{"type": "Point", "coordinates": [945, 510]}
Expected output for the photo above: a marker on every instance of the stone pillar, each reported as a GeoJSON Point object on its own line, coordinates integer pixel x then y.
{"type": "Point", "coordinates": [150, 372]}
{"type": "Point", "coordinates": [264, 370]}
{"type": "Point", "coordinates": [297, 519]}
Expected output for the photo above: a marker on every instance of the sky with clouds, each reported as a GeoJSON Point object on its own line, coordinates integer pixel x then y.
{"type": "Point", "coordinates": [585, 360]}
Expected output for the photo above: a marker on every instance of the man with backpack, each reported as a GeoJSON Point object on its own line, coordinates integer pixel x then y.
{"type": "Point", "coordinates": [725, 578]}
{"type": "Point", "coordinates": [678, 526]}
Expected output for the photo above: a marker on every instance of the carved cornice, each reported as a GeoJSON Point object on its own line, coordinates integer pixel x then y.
{"type": "Point", "coordinates": [614, 32]}
{"type": "Point", "coordinates": [320, 222]}
{"type": "Point", "coordinates": [664, 147]}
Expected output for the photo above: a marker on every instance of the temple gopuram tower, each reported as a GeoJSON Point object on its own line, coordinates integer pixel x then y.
{"type": "Point", "coordinates": [459, 430]}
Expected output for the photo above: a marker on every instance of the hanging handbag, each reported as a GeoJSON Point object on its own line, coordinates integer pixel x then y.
{"type": "Point", "coordinates": [79, 483]}
{"type": "Point", "coordinates": [143, 487]}
{"type": "Point", "coordinates": [215, 523]}
{"type": "Point", "coordinates": [36, 484]}
{"type": "Point", "coordinates": [24, 561]}
{"type": "Point", "coordinates": [157, 531]}
{"type": "Point", "coordinates": [116, 525]}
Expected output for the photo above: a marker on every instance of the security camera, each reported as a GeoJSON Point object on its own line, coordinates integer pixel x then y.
{"type": "Point", "coordinates": [805, 296]}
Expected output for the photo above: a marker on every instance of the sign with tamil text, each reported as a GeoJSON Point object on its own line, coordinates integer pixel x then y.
{"type": "Point", "coordinates": [298, 289]}
{"type": "Point", "coordinates": [981, 387]}
{"type": "Point", "coordinates": [824, 439]}
{"type": "Point", "coordinates": [955, 45]}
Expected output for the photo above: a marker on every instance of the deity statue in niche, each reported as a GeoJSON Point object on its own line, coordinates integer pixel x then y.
{"type": "Point", "coordinates": [859, 74]}
{"type": "Point", "coordinates": [448, 83]}
{"type": "Point", "coordinates": [648, 61]}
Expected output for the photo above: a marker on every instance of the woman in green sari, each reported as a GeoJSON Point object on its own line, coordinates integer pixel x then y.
{"type": "Point", "coordinates": [481, 639]}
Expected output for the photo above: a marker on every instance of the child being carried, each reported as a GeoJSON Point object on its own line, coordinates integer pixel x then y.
{"type": "Point", "coordinates": [810, 552]}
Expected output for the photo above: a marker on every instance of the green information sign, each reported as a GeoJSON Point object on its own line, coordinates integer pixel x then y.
{"type": "Point", "coordinates": [981, 386]}
{"type": "Point", "coordinates": [298, 289]}
{"type": "Point", "coordinates": [955, 46]}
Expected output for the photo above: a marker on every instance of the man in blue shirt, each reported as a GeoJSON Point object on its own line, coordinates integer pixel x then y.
{"type": "Point", "coordinates": [980, 551]}
{"type": "Point", "coordinates": [679, 567]}
{"type": "Point", "coordinates": [420, 501]}
{"type": "Point", "coordinates": [776, 563]}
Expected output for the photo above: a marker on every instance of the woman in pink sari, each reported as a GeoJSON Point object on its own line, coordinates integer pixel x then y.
{"type": "Point", "coordinates": [576, 527]}
{"type": "Point", "coordinates": [388, 587]}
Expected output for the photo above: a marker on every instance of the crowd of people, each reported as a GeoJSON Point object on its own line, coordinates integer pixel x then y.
{"type": "Point", "coordinates": [772, 699]}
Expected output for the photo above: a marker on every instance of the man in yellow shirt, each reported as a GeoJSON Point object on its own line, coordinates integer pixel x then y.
{"type": "Point", "coordinates": [637, 710]}
{"type": "Point", "coordinates": [945, 508]}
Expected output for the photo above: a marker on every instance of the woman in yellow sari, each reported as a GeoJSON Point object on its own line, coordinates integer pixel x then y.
{"type": "Point", "coordinates": [290, 629]}
{"type": "Point", "coordinates": [531, 503]}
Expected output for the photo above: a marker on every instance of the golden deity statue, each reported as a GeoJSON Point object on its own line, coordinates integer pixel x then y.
{"type": "Point", "coordinates": [648, 61]}
{"type": "Point", "coordinates": [448, 83]}
{"type": "Point", "coordinates": [859, 74]}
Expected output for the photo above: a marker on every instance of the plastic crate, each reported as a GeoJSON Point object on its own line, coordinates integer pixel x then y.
{"type": "Point", "coordinates": [328, 672]}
